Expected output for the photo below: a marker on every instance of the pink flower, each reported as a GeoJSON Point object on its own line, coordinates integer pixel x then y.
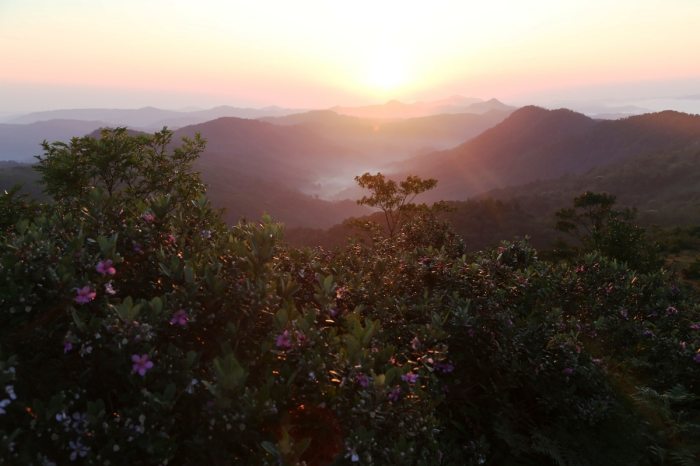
{"type": "Point", "coordinates": [410, 377]}
{"type": "Point", "coordinates": [283, 340]}
{"type": "Point", "coordinates": [148, 217]}
{"type": "Point", "coordinates": [104, 267]}
{"type": "Point", "coordinates": [170, 239]}
{"type": "Point", "coordinates": [67, 347]}
{"type": "Point", "coordinates": [695, 326]}
{"type": "Point", "coordinates": [84, 295]}
{"type": "Point", "coordinates": [697, 357]}
{"type": "Point", "coordinates": [179, 318]}
{"type": "Point", "coordinates": [141, 364]}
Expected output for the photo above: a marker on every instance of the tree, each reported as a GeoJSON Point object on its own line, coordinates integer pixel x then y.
{"type": "Point", "coordinates": [125, 166]}
{"type": "Point", "coordinates": [596, 225]}
{"type": "Point", "coordinates": [394, 199]}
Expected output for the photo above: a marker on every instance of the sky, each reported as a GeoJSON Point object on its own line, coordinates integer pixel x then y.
{"type": "Point", "coordinates": [321, 53]}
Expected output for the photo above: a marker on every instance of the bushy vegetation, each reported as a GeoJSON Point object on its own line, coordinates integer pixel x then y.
{"type": "Point", "coordinates": [137, 328]}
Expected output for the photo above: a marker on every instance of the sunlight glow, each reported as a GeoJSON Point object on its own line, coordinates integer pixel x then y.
{"type": "Point", "coordinates": [386, 74]}
{"type": "Point", "coordinates": [322, 53]}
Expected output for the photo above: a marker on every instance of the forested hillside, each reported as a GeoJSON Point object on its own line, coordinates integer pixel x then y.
{"type": "Point", "coordinates": [535, 144]}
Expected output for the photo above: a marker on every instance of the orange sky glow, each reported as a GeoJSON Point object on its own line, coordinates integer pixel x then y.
{"type": "Point", "coordinates": [79, 53]}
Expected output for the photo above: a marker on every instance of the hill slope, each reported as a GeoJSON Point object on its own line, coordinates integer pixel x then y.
{"type": "Point", "coordinates": [535, 143]}
{"type": "Point", "coordinates": [382, 141]}
{"type": "Point", "coordinates": [21, 142]}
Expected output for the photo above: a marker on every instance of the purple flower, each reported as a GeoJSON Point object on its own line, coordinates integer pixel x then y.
{"type": "Point", "coordinates": [78, 450]}
{"type": "Point", "coordinates": [362, 380]}
{"type": "Point", "coordinates": [697, 357]}
{"type": "Point", "coordinates": [671, 311]}
{"type": "Point", "coordinates": [648, 333]}
{"type": "Point", "coordinates": [141, 364]}
{"type": "Point", "coordinates": [444, 367]}
{"type": "Point", "coordinates": [67, 347]}
{"type": "Point", "coordinates": [206, 234]}
{"type": "Point", "coordinates": [568, 371]}
{"type": "Point", "coordinates": [695, 326]}
{"type": "Point", "coordinates": [170, 239]}
{"type": "Point", "coordinates": [394, 394]}
{"type": "Point", "coordinates": [84, 295]}
{"type": "Point", "coordinates": [179, 318]}
{"type": "Point", "coordinates": [283, 340]}
{"type": "Point", "coordinates": [301, 338]}
{"type": "Point", "coordinates": [410, 377]}
{"type": "Point", "coordinates": [148, 217]}
{"type": "Point", "coordinates": [105, 267]}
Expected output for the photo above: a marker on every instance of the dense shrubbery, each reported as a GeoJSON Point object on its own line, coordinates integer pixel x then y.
{"type": "Point", "coordinates": [137, 328]}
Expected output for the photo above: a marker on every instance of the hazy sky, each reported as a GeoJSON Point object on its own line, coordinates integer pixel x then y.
{"type": "Point", "coordinates": [304, 53]}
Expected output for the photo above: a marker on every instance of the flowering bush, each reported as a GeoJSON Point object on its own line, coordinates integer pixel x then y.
{"type": "Point", "coordinates": [137, 328]}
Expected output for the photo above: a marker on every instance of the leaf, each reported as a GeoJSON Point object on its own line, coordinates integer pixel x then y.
{"type": "Point", "coordinates": [189, 274]}
{"type": "Point", "coordinates": [230, 373]}
{"type": "Point", "coordinates": [282, 317]}
{"type": "Point", "coordinates": [328, 283]}
{"type": "Point", "coordinates": [78, 321]}
{"type": "Point", "coordinates": [156, 305]}
{"type": "Point", "coordinates": [169, 392]}
{"type": "Point", "coordinates": [270, 448]}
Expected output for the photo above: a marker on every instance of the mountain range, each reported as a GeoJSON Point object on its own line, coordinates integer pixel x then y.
{"type": "Point", "coordinates": [150, 118]}
{"type": "Point", "coordinates": [395, 109]}
{"type": "Point", "coordinates": [505, 170]}
{"type": "Point", "coordinates": [537, 144]}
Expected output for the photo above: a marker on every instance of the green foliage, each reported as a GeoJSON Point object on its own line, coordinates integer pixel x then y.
{"type": "Point", "coordinates": [597, 226]}
{"type": "Point", "coordinates": [14, 206]}
{"type": "Point", "coordinates": [124, 166]}
{"type": "Point", "coordinates": [136, 328]}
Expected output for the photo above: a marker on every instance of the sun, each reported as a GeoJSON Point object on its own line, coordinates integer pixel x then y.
{"type": "Point", "coordinates": [386, 74]}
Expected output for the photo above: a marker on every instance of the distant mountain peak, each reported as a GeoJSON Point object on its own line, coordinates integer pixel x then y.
{"type": "Point", "coordinates": [395, 103]}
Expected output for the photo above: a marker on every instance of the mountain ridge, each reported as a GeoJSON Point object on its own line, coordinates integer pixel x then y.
{"type": "Point", "coordinates": [535, 143]}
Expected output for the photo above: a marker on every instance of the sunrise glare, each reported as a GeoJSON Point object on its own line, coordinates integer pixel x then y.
{"type": "Point", "coordinates": [337, 52]}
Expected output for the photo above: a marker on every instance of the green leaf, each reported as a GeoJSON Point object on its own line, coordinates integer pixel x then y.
{"type": "Point", "coordinates": [229, 371]}
{"type": "Point", "coordinates": [78, 321]}
{"type": "Point", "coordinates": [156, 305]}
{"type": "Point", "coordinates": [189, 274]}
{"type": "Point", "coordinates": [169, 392]}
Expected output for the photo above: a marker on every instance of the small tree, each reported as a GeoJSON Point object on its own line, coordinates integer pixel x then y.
{"type": "Point", "coordinates": [596, 225]}
{"type": "Point", "coordinates": [392, 198]}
